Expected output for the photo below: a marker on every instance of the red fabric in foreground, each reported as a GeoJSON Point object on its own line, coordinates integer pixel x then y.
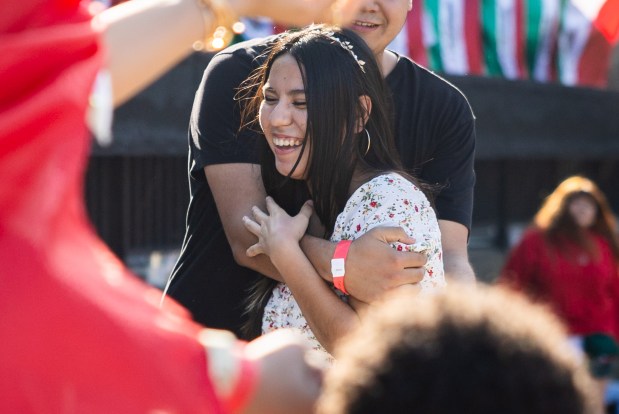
{"type": "Point", "coordinates": [80, 334]}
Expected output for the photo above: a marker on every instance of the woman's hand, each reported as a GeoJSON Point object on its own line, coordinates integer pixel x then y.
{"type": "Point", "coordinates": [276, 230]}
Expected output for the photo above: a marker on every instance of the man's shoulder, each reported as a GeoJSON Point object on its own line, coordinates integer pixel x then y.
{"type": "Point", "coordinates": [248, 49]}
{"type": "Point", "coordinates": [233, 65]}
{"type": "Point", "coordinates": [408, 68]}
{"type": "Point", "coordinates": [426, 82]}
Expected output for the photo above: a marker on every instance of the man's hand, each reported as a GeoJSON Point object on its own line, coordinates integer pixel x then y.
{"type": "Point", "coordinates": [373, 267]}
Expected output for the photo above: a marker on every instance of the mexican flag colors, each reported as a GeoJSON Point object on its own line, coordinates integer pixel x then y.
{"type": "Point", "coordinates": [567, 41]}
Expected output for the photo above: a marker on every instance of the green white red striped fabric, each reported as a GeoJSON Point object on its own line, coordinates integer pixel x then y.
{"type": "Point", "coordinates": [566, 41]}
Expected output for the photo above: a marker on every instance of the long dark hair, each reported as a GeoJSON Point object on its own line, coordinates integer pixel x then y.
{"type": "Point", "coordinates": [334, 80]}
{"type": "Point", "coordinates": [555, 220]}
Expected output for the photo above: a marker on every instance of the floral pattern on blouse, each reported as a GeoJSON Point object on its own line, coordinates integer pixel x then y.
{"type": "Point", "coordinates": [386, 200]}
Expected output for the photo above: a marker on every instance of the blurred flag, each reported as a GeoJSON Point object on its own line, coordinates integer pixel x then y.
{"type": "Point", "coordinates": [569, 41]}
{"type": "Point", "coordinates": [583, 53]}
{"type": "Point", "coordinates": [444, 36]}
{"type": "Point", "coordinates": [607, 21]}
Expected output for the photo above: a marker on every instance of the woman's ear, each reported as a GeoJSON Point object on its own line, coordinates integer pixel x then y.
{"type": "Point", "coordinates": [366, 105]}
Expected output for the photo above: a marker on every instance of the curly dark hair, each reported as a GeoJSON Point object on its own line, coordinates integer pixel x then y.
{"type": "Point", "coordinates": [483, 350]}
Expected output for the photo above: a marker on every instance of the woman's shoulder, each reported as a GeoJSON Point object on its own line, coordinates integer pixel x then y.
{"type": "Point", "coordinates": [385, 188]}
{"type": "Point", "coordinates": [387, 199]}
{"type": "Point", "coordinates": [602, 241]}
{"type": "Point", "coordinates": [392, 180]}
{"type": "Point", "coordinates": [532, 236]}
{"type": "Point", "coordinates": [387, 191]}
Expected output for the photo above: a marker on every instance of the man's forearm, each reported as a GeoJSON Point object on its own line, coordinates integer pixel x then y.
{"type": "Point", "coordinates": [372, 266]}
{"type": "Point", "coordinates": [233, 205]}
{"type": "Point", "coordinates": [458, 269]}
{"type": "Point", "coordinates": [261, 264]}
{"type": "Point", "coordinates": [455, 252]}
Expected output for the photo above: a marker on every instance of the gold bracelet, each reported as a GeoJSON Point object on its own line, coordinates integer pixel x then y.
{"type": "Point", "coordinates": [219, 14]}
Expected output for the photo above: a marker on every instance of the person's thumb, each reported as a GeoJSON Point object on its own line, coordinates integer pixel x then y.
{"type": "Point", "coordinates": [307, 209]}
{"type": "Point", "coordinates": [394, 234]}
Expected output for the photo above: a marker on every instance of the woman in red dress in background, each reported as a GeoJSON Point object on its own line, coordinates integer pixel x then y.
{"type": "Point", "coordinates": [569, 259]}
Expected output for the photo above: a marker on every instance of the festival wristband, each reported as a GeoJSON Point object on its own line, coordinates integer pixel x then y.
{"type": "Point", "coordinates": [338, 265]}
{"type": "Point", "coordinates": [234, 376]}
{"type": "Point", "coordinates": [246, 383]}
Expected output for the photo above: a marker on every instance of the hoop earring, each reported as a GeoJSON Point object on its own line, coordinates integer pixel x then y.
{"type": "Point", "coordinates": [369, 141]}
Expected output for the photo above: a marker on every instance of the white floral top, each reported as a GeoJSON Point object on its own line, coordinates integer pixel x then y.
{"type": "Point", "coordinates": [387, 200]}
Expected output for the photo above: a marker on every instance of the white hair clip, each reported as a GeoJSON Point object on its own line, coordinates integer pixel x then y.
{"type": "Point", "coordinates": [345, 44]}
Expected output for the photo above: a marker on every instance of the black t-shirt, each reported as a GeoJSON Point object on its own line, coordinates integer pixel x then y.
{"type": "Point", "coordinates": [435, 134]}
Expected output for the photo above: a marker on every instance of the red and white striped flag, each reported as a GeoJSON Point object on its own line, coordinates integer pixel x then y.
{"type": "Point", "coordinates": [569, 41]}
{"type": "Point", "coordinates": [583, 53]}
{"type": "Point", "coordinates": [444, 36]}
{"type": "Point", "coordinates": [607, 21]}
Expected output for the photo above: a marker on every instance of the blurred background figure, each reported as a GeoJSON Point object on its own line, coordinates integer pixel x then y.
{"type": "Point", "coordinates": [568, 259]}
{"type": "Point", "coordinates": [483, 351]}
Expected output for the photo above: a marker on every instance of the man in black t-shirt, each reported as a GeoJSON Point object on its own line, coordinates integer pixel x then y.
{"type": "Point", "coordinates": [435, 133]}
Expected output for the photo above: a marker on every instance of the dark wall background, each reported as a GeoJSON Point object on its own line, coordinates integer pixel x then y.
{"type": "Point", "coordinates": [529, 137]}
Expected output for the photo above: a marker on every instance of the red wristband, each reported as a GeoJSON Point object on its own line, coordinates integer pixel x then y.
{"type": "Point", "coordinates": [338, 268]}
{"type": "Point", "coordinates": [246, 383]}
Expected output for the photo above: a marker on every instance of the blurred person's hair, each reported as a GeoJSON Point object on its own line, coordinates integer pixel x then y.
{"type": "Point", "coordinates": [481, 350]}
{"type": "Point", "coordinates": [555, 220]}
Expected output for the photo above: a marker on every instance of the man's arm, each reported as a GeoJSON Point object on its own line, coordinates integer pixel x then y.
{"type": "Point", "coordinates": [372, 266]}
{"type": "Point", "coordinates": [452, 169]}
{"type": "Point", "coordinates": [455, 255]}
{"type": "Point", "coordinates": [236, 188]}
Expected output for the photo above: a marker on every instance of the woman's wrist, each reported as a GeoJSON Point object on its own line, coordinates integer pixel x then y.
{"type": "Point", "coordinates": [220, 22]}
{"type": "Point", "coordinates": [286, 256]}
{"type": "Point", "coordinates": [245, 8]}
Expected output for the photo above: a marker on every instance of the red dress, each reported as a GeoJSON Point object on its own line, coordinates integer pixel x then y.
{"type": "Point", "coordinates": [78, 332]}
{"type": "Point", "coordinates": [583, 291]}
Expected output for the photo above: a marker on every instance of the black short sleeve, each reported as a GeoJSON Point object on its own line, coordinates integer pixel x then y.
{"type": "Point", "coordinates": [452, 168]}
{"type": "Point", "coordinates": [216, 117]}
{"type": "Point", "coordinates": [435, 134]}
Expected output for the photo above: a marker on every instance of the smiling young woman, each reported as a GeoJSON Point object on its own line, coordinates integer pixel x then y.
{"type": "Point", "coordinates": [343, 158]}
